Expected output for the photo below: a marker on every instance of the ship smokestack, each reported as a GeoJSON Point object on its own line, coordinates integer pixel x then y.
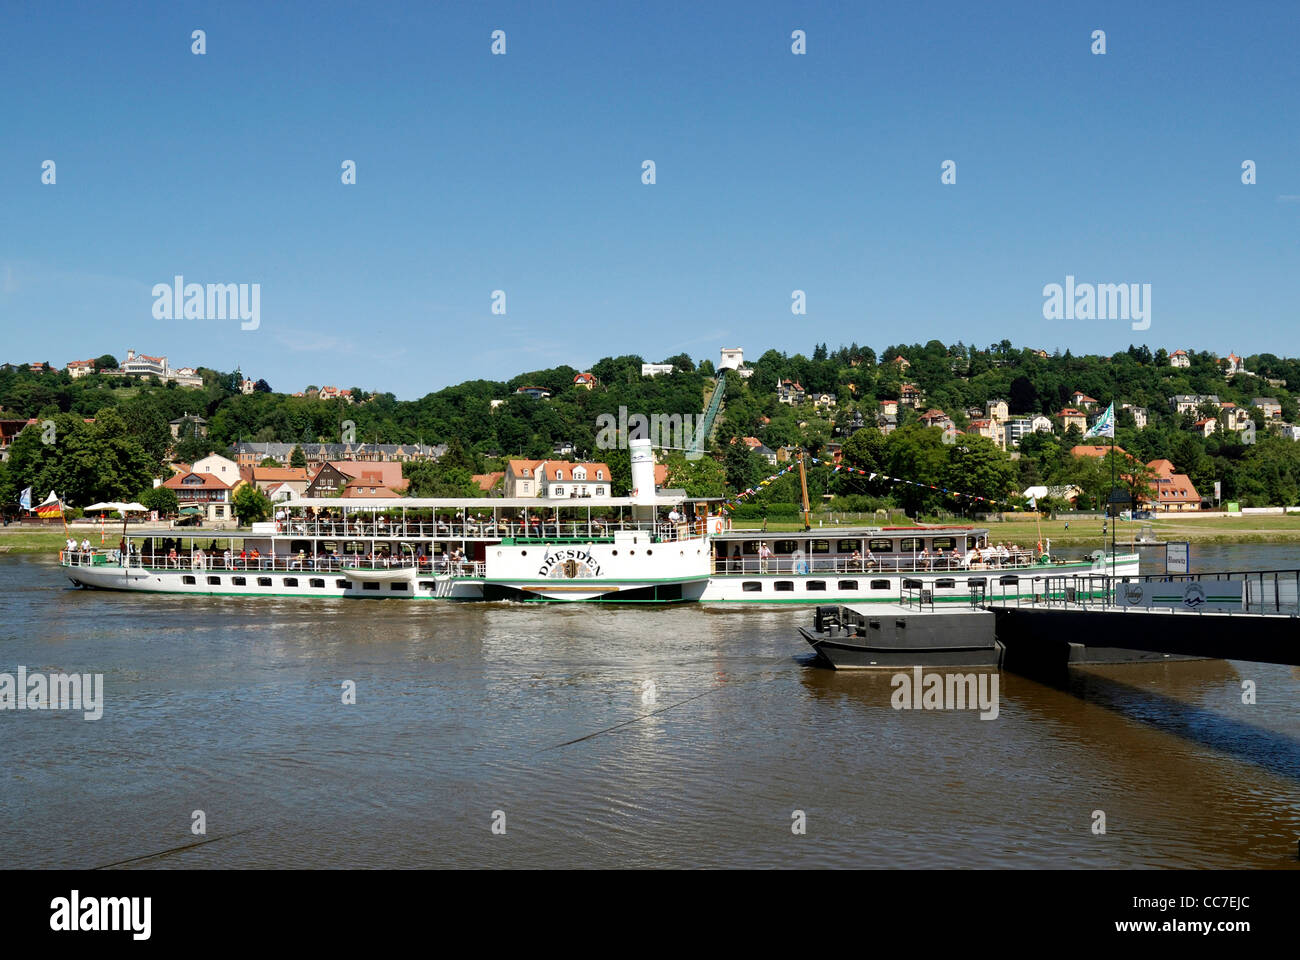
{"type": "Point", "coordinates": [643, 470]}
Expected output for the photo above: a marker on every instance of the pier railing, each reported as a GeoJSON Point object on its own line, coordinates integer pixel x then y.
{"type": "Point", "coordinates": [1250, 591]}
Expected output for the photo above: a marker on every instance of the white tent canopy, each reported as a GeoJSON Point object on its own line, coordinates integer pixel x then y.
{"type": "Point", "coordinates": [120, 507]}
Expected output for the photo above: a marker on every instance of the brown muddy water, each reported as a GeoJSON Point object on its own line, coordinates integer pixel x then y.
{"type": "Point", "coordinates": [606, 737]}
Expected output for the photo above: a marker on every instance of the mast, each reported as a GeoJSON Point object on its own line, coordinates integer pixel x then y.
{"type": "Point", "coordinates": [803, 483]}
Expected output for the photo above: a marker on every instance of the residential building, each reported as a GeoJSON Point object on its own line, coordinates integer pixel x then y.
{"type": "Point", "coordinates": [218, 466]}
{"type": "Point", "coordinates": [246, 386]}
{"type": "Point", "coordinates": [901, 362]}
{"type": "Point", "coordinates": [252, 454]}
{"type": "Point", "coordinates": [1172, 492]}
{"type": "Point", "coordinates": [294, 480]}
{"type": "Point", "coordinates": [910, 395]}
{"type": "Point", "coordinates": [537, 393]}
{"type": "Point", "coordinates": [1235, 364]}
{"type": "Point", "coordinates": [351, 478]}
{"type": "Point", "coordinates": [1095, 450]}
{"type": "Point", "coordinates": [1206, 426]}
{"type": "Point", "coordinates": [143, 365]}
{"type": "Point", "coordinates": [202, 491]}
{"type": "Point", "coordinates": [562, 480]}
{"type": "Point", "coordinates": [332, 392]}
{"type": "Point", "coordinates": [889, 407]}
{"type": "Point", "coordinates": [1289, 431]}
{"type": "Point", "coordinates": [1272, 409]}
{"type": "Point", "coordinates": [1191, 402]}
{"type": "Point", "coordinates": [756, 445]}
{"type": "Point", "coordinates": [1019, 428]}
{"type": "Point", "coordinates": [1140, 415]}
{"type": "Point", "coordinates": [1235, 417]}
{"type": "Point", "coordinates": [887, 422]}
{"type": "Point", "coordinates": [80, 368]}
{"type": "Point", "coordinates": [490, 483]}
{"type": "Point", "coordinates": [992, 429]}
{"type": "Point", "coordinates": [790, 392]}
{"type": "Point", "coordinates": [656, 369]}
{"type": "Point", "coordinates": [585, 381]}
{"type": "Point", "coordinates": [1070, 417]}
{"type": "Point", "coordinates": [824, 401]}
{"type": "Point", "coordinates": [936, 418]}
{"type": "Point", "coordinates": [521, 478]}
{"type": "Point", "coordinates": [1179, 358]}
{"type": "Point", "coordinates": [189, 425]}
{"type": "Point", "coordinates": [996, 410]}
{"type": "Point", "coordinates": [1081, 399]}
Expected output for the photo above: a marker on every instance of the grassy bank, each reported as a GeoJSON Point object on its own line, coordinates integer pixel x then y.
{"type": "Point", "coordinates": [1086, 531]}
{"type": "Point", "coordinates": [15, 539]}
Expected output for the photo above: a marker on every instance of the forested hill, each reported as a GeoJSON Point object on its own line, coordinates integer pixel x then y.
{"type": "Point", "coordinates": [954, 379]}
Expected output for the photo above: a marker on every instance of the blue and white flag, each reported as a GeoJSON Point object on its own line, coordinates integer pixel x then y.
{"type": "Point", "coordinates": [1105, 425]}
{"type": "Point", "coordinates": [25, 499]}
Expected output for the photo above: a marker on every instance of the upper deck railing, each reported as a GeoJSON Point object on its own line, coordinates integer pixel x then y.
{"type": "Point", "coordinates": [741, 566]}
{"type": "Point", "coordinates": [493, 530]}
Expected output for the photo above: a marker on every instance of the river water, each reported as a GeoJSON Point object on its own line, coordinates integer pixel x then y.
{"type": "Point", "coordinates": [607, 737]}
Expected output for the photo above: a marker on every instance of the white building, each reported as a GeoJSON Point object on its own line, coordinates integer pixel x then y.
{"type": "Point", "coordinates": [655, 369]}
{"type": "Point", "coordinates": [1179, 358]}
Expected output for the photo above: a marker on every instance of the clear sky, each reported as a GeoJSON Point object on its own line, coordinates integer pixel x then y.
{"type": "Point", "coordinates": [522, 173]}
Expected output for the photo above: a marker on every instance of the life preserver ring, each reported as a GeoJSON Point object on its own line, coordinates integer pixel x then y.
{"type": "Point", "coordinates": [717, 525]}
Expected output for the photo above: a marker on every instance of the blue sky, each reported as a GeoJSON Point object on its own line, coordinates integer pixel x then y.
{"type": "Point", "coordinates": [522, 172]}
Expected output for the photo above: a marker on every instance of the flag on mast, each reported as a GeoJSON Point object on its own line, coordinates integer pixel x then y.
{"type": "Point", "coordinates": [1105, 425]}
{"type": "Point", "coordinates": [25, 499]}
{"type": "Point", "coordinates": [51, 506]}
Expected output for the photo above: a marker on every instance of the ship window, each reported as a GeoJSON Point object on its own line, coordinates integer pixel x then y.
{"type": "Point", "coordinates": [911, 584]}
{"type": "Point", "coordinates": [238, 581]}
{"type": "Point", "coordinates": [426, 584]}
{"type": "Point", "coordinates": [912, 544]}
{"type": "Point", "coordinates": [977, 581]}
{"type": "Point", "coordinates": [188, 580]}
{"type": "Point", "coordinates": [318, 583]}
{"type": "Point", "coordinates": [398, 586]}
{"type": "Point", "coordinates": [847, 585]}
{"type": "Point", "coordinates": [291, 581]}
{"type": "Point", "coordinates": [214, 581]}
{"type": "Point", "coordinates": [263, 581]}
{"type": "Point", "coordinates": [784, 546]}
{"type": "Point", "coordinates": [342, 584]}
{"type": "Point", "coordinates": [1010, 578]}
{"type": "Point", "coordinates": [881, 545]}
{"type": "Point", "coordinates": [750, 548]}
{"type": "Point", "coordinates": [816, 585]}
{"type": "Point", "coordinates": [944, 543]}
{"type": "Point", "coordinates": [820, 546]}
{"type": "Point", "coordinates": [879, 584]}
{"type": "Point", "coordinates": [945, 583]}
{"type": "Point", "coordinates": [783, 586]}
{"type": "Point", "coordinates": [848, 546]}
{"type": "Point", "coordinates": [752, 586]}
{"type": "Point", "coordinates": [370, 586]}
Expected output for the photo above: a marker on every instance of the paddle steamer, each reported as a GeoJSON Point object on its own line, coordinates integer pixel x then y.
{"type": "Point", "coordinates": [652, 547]}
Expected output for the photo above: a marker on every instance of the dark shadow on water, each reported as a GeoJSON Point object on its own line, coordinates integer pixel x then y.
{"type": "Point", "coordinates": [1275, 752]}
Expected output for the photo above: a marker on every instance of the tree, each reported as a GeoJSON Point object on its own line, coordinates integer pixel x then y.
{"type": "Point", "coordinates": [261, 387]}
{"type": "Point", "coordinates": [162, 499]}
{"type": "Point", "coordinates": [105, 362]}
{"type": "Point", "coordinates": [682, 363]}
{"type": "Point", "coordinates": [297, 458]}
{"type": "Point", "coordinates": [194, 448]}
{"type": "Point", "coordinates": [704, 477]}
{"type": "Point", "coordinates": [741, 466]}
{"type": "Point", "coordinates": [442, 479]}
{"type": "Point", "coordinates": [269, 462]}
{"type": "Point", "coordinates": [251, 505]}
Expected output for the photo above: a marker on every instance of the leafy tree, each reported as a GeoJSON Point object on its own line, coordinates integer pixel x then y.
{"type": "Point", "coordinates": [251, 505]}
{"type": "Point", "coordinates": [106, 362]}
{"type": "Point", "coordinates": [742, 467]}
{"type": "Point", "coordinates": [297, 458]}
{"type": "Point", "coordinates": [162, 499]}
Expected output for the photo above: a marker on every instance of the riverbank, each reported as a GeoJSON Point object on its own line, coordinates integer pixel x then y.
{"type": "Point", "coordinates": [1087, 531]}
